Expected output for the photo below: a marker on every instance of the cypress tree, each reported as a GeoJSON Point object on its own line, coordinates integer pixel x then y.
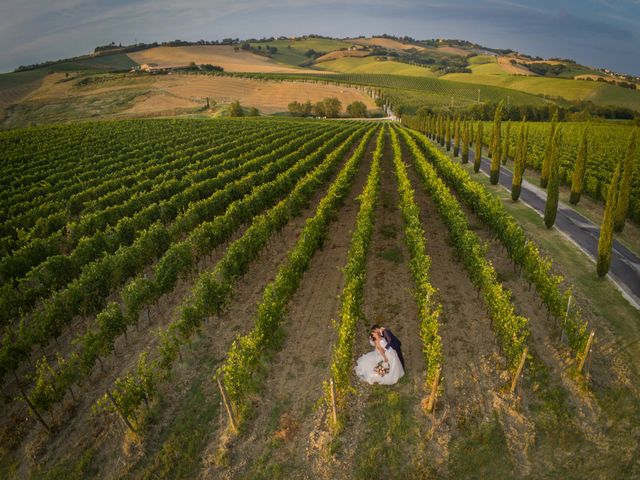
{"type": "Point", "coordinates": [505, 148]}
{"type": "Point", "coordinates": [546, 163]}
{"type": "Point", "coordinates": [478, 151]}
{"type": "Point", "coordinates": [491, 141]}
{"type": "Point", "coordinates": [442, 131]}
{"type": "Point", "coordinates": [624, 195]}
{"type": "Point", "coordinates": [466, 139]}
{"type": "Point", "coordinates": [551, 207]}
{"type": "Point", "coordinates": [448, 133]}
{"type": "Point", "coordinates": [434, 127]}
{"type": "Point", "coordinates": [494, 174]}
{"type": "Point", "coordinates": [519, 163]}
{"type": "Point", "coordinates": [577, 177]}
{"type": "Point", "coordinates": [605, 242]}
{"type": "Point", "coordinates": [456, 138]}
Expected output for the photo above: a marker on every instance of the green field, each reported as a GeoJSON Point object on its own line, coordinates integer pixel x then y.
{"type": "Point", "coordinates": [376, 65]}
{"type": "Point", "coordinates": [599, 93]}
{"type": "Point", "coordinates": [414, 92]}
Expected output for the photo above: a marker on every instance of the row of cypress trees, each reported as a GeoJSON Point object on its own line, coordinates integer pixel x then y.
{"type": "Point", "coordinates": [459, 134]}
{"type": "Point", "coordinates": [616, 206]}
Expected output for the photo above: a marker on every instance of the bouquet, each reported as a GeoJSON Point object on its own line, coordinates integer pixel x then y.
{"type": "Point", "coordinates": [382, 368]}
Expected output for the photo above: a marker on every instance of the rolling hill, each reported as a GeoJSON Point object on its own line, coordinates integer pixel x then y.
{"type": "Point", "coordinates": [461, 74]}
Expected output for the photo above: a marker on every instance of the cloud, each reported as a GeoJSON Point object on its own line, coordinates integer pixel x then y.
{"type": "Point", "coordinates": [41, 30]}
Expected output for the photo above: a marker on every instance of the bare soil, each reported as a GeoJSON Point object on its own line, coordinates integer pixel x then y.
{"type": "Point", "coordinates": [342, 54]}
{"type": "Point", "coordinates": [386, 43]}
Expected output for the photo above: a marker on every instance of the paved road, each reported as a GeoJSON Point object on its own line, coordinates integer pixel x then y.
{"type": "Point", "coordinates": [625, 265]}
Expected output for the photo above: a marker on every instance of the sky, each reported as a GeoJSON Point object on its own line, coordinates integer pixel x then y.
{"type": "Point", "coordinates": [599, 33]}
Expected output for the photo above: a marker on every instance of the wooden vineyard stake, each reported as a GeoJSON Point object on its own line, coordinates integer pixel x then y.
{"type": "Point", "coordinates": [523, 359]}
{"type": "Point", "coordinates": [587, 348]}
{"type": "Point", "coordinates": [227, 406]}
{"type": "Point", "coordinates": [334, 408]}
{"type": "Point", "coordinates": [434, 391]}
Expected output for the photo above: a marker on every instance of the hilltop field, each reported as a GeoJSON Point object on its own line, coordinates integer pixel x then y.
{"type": "Point", "coordinates": [513, 78]}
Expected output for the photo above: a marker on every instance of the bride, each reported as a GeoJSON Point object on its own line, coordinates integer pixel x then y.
{"type": "Point", "coordinates": [381, 365]}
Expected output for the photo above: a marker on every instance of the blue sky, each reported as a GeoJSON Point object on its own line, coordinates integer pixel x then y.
{"type": "Point", "coordinates": [601, 33]}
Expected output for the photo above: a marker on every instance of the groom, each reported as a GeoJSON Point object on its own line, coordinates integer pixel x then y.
{"type": "Point", "coordinates": [392, 340]}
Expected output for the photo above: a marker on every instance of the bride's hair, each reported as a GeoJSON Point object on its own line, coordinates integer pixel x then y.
{"type": "Point", "coordinates": [375, 326]}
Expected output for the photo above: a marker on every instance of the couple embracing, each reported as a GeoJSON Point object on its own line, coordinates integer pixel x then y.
{"type": "Point", "coordinates": [385, 364]}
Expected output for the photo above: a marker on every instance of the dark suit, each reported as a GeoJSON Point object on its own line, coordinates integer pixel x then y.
{"type": "Point", "coordinates": [393, 342]}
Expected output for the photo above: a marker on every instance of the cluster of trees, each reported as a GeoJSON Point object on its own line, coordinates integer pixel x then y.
{"type": "Point", "coordinates": [544, 69]}
{"type": "Point", "coordinates": [236, 110]}
{"type": "Point", "coordinates": [617, 204]}
{"type": "Point", "coordinates": [313, 54]}
{"type": "Point", "coordinates": [330, 107]}
{"type": "Point", "coordinates": [455, 64]}
{"type": "Point", "coordinates": [193, 67]}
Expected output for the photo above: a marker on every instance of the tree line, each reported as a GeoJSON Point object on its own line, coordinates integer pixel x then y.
{"type": "Point", "coordinates": [329, 107]}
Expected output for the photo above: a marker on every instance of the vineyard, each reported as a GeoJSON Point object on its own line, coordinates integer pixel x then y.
{"type": "Point", "coordinates": [606, 147]}
{"type": "Point", "coordinates": [187, 299]}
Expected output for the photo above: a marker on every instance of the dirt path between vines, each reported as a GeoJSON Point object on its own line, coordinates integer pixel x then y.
{"type": "Point", "coordinates": [279, 432]}
{"type": "Point", "coordinates": [388, 301]}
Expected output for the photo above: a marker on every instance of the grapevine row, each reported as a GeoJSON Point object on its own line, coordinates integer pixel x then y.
{"type": "Point", "coordinates": [511, 328]}
{"type": "Point", "coordinates": [522, 251]}
{"type": "Point", "coordinates": [352, 295]}
{"type": "Point", "coordinates": [420, 267]}
{"type": "Point", "coordinates": [96, 219]}
{"type": "Point", "coordinates": [246, 351]}
{"type": "Point", "coordinates": [64, 184]}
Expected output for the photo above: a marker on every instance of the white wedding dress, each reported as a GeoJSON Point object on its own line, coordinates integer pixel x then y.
{"type": "Point", "coordinates": [367, 363]}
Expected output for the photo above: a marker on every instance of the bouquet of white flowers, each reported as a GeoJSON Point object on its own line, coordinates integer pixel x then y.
{"type": "Point", "coordinates": [382, 368]}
